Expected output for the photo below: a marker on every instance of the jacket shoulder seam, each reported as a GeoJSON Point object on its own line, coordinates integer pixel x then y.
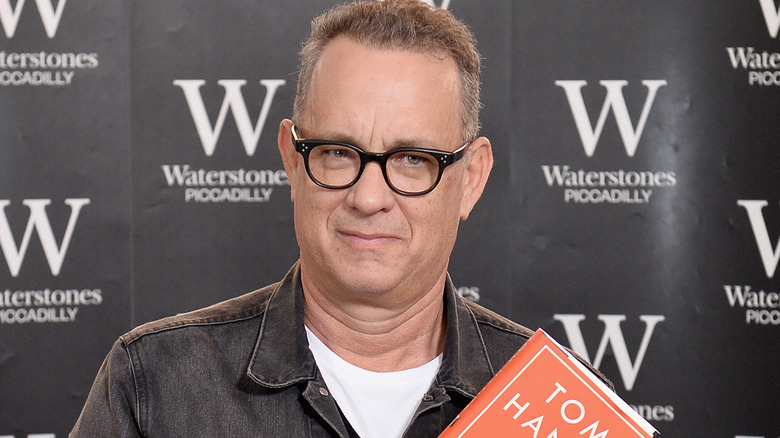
{"type": "Point", "coordinates": [229, 311]}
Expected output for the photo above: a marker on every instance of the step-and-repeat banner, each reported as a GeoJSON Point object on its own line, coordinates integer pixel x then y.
{"type": "Point", "coordinates": [633, 212]}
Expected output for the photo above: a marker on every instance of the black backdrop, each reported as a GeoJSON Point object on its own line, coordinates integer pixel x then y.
{"type": "Point", "coordinates": [633, 212]}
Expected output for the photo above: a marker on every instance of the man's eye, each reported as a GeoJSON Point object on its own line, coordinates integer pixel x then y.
{"type": "Point", "coordinates": [338, 153]}
{"type": "Point", "coordinates": [413, 159]}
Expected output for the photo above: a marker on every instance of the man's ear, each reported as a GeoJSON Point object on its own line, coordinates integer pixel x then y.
{"type": "Point", "coordinates": [290, 157]}
{"type": "Point", "coordinates": [478, 166]}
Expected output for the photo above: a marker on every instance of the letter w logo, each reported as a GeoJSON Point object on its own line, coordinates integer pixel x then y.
{"type": "Point", "coordinates": [772, 16]}
{"type": "Point", "coordinates": [9, 16]}
{"type": "Point", "coordinates": [769, 256]}
{"type": "Point", "coordinates": [234, 100]}
{"type": "Point", "coordinates": [617, 103]}
{"type": "Point", "coordinates": [40, 221]}
{"type": "Point", "coordinates": [613, 335]}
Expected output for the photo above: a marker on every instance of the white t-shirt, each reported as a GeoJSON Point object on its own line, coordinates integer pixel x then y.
{"type": "Point", "coordinates": [377, 405]}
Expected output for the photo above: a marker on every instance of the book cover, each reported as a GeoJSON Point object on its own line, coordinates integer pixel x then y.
{"type": "Point", "coordinates": [545, 392]}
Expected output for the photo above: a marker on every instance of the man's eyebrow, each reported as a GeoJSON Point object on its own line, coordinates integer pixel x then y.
{"type": "Point", "coordinates": [396, 144]}
{"type": "Point", "coordinates": [340, 137]}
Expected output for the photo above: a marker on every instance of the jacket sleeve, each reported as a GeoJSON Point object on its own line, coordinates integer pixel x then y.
{"type": "Point", "coordinates": [112, 406]}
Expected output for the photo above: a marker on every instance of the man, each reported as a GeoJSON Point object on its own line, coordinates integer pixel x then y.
{"type": "Point", "coordinates": [365, 336]}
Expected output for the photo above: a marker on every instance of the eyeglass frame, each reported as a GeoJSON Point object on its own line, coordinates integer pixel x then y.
{"type": "Point", "coordinates": [304, 146]}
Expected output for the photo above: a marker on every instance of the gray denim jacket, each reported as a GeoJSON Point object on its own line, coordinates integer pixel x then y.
{"type": "Point", "coordinates": [242, 368]}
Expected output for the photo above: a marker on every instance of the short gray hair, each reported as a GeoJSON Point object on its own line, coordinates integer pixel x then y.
{"type": "Point", "coordinates": [398, 24]}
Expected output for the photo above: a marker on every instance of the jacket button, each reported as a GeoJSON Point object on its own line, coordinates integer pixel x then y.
{"type": "Point", "coordinates": [324, 392]}
{"type": "Point", "coordinates": [427, 397]}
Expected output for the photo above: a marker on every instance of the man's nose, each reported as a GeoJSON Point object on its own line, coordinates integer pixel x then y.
{"type": "Point", "coordinates": [371, 194]}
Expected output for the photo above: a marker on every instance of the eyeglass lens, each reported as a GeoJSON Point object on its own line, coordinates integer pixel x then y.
{"type": "Point", "coordinates": [339, 166]}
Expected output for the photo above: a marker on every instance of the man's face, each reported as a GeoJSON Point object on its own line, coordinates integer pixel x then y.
{"type": "Point", "coordinates": [366, 240]}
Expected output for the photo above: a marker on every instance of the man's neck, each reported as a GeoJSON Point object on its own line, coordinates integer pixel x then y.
{"type": "Point", "coordinates": [379, 338]}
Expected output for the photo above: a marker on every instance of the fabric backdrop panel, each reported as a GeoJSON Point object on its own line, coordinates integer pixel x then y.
{"type": "Point", "coordinates": [477, 266]}
{"type": "Point", "coordinates": [64, 206]}
{"type": "Point", "coordinates": [201, 240]}
{"type": "Point", "coordinates": [633, 211]}
{"type": "Point", "coordinates": [630, 117]}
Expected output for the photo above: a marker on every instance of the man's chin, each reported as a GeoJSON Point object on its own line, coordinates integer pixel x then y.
{"type": "Point", "coordinates": [370, 283]}
{"type": "Point", "coordinates": [369, 280]}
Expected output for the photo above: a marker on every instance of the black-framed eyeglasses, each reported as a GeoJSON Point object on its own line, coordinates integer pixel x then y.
{"type": "Point", "coordinates": [407, 170]}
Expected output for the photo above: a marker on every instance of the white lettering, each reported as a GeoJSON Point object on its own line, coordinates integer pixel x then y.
{"type": "Point", "coordinates": [38, 220]}
{"type": "Point", "coordinates": [579, 407]}
{"type": "Point", "coordinates": [520, 409]}
{"type": "Point", "coordinates": [764, 78]}
{"type": "Point", "coordinates": [613, 196]}
{"type": "Point", "coordinates": [36, 78]}
{"type": "Point", "coordinates": [736, 294]}
{"type": "Point", "coordinates": [184, 175]}
{"type": "Point", "coordinates": [739, 57]}
{"type": "Point", "coordinates": [593, 433]}
{"type": "Point", "coordinates": [38, 315]}
{"type": "Point", "coordinates": [9, 17]}
{"type": "Point", "coordinates": [534, 425]}
{"type": "Point", "coordinates": [614, 100]}
{"type": "Point", "coordinates": [565, 176]}
{"type": "Point", "coordinates": [233, 101]}
{"type": "Point", "coordinates": [613, 336]}
{"type": "Point", "coordinates": [261, 194]}
{"type": "Point", "coordinates": [655, 413]}
{"type": "Point", "coordinates": [770, 257]}
{"type": "Point", "coordinates": [559, 388]}
{"type": "Point", "coordinates": [772, 16]}
{"type": "Point", "coordinates": [762, 316]}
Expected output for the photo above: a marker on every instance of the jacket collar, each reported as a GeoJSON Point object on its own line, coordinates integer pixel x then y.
{"type": "Point", "coordinates": [465, 367]}
{"type": "Point", "coordinates": [281, 356]}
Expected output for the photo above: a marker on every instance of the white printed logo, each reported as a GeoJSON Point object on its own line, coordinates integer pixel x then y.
{"type": "Point", "coordinates": [613, 335]}
{"type": "Point", "coordinates": [38, 220]}
{"type": "Point", "coordinates": [9, 17]}
{"type": "Point", "coordinates": [233, 101]}
{"type": "Point", "coordinates": [772, 16]}
{"type": "Point", "coordinates": [769, 256]}
{"type": "Point", "coordinates": [616, 102]}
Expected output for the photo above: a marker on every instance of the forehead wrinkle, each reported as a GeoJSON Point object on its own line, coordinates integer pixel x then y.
{"type": "Point", "coordinates": [410, 142]}
{"type": "Point", "coordinates": [374, 137]}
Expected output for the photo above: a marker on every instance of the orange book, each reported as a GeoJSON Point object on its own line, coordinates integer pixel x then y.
{"type": "Point", "coordinates": [545, 392]}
